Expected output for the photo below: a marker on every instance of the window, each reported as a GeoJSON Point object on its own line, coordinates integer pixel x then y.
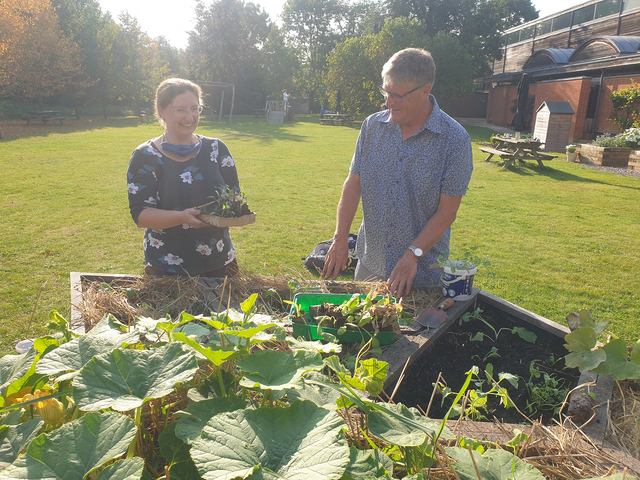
{"type": "Point", "coordinates": [545, 27]}
{"type": "Point", "coordinates": [631, 5]}
{"type": "Point", "coordinates": [608, 7]}
{"type": "Point", "coordinates": [583, 15]}
{"type": "Point", "coordinates": [526, 33]}
{"type": "Point", "coordinates": [563, 21]}
{"type": "Point", "coordinates": [513, 37]}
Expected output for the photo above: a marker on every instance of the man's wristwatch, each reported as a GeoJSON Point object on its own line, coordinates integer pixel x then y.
{"type": "Point", "coordinates": [416, 251]}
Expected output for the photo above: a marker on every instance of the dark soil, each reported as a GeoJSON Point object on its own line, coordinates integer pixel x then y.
{"type": "Point", "coordinates": [454, 354]}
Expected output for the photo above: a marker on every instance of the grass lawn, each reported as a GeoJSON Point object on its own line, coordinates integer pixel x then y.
{"type": "Point", "coordinates": [559, 239]}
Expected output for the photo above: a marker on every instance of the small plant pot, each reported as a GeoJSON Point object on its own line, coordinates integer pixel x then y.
{"type": "Point", "coordinates": [457, 281]}
{"type": "Point", "coordinates": [572, 157]}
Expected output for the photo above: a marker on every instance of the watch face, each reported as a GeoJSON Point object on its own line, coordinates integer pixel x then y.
{"type": "Point", "coordinates": [416, 251]}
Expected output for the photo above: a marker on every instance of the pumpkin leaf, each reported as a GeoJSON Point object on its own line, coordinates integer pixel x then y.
{"type": "Point", "coordinates": [494, 464]}
{"type": "Point", "coordinates": [277, 370]}
{"type": "Point", "coordinates": [301, 441]}
{"type": "Point", "coordinates": [125, 379]}
{"type": "Point", "coordinates": [75, 449]}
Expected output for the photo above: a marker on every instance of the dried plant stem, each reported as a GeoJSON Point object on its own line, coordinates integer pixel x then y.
{"type": "Point", "coordinates": [433, 394]}
{"type": "Point", "coordinates": [26, 335]}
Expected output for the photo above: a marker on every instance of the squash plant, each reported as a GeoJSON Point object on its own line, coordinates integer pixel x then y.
{"type": "Point", "coordinates": [614, 357]}
{"type": "Point", "coordinates": [197, 398]}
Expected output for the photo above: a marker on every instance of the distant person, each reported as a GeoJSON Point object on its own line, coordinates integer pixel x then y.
{"type": "Point", "coordinates": [168, 177]}
{"type": "Point", "coordinates": [411, 167]}
{"type": "Point", "coordinates": [322, 111]}
{"type": "Point", "coordinates": [285, 97]}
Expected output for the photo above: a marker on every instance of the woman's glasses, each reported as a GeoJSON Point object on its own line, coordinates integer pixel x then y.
{"type": "Point", "coordinates": [183, 112]}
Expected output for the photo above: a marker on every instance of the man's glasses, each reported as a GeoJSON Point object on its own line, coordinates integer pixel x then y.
{"type": "Point", "coordinates": [195, 111]}
{"type": "Point", "coordinates": [394, 96]}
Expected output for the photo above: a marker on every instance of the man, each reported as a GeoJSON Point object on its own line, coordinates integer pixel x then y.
{"type": "Point", "coordinates": [411, 167]}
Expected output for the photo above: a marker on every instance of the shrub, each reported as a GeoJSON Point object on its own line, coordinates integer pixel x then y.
{"type": "Point", "coordinates": [571, 148]}
{"type": "Point", "coordinates": [626, 103]}
{"type": "Point", "coordinates": [632, 137]}
{"type": "Point", "coordinates": [610, 141]}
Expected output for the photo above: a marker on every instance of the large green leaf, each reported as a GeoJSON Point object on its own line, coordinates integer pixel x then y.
{"type": "Point", "coordinates": [176, 452]}
{"type": "Point", "coordinates": [276, 370]}
{"type": "Point", "coordinates": [616, 363]}
{"type": "Point", "coordinates": [215, 354]}
{"type": "Point", "coordinates": [367, 464]}
{"type": "Point", "coordinates": [318, 394]}
{"type": "Point", "coordinates": [14, 367]}
{"type": "Point", "coordinates": [74, 355]}
{"type": "Point", "coordinates": [314, 346]}
{"type": "Point", "coordinates": [14, 439]}
{"type": "Point", "coordinates": [402, 426]}
{"type": "Point", "coordinates": [125, 379]}
{"type": "Point", "coordinates": [579, 343]}
{"type": "Point", "coordinates": [301, 442]}
{"type": "Point", "coordinates": [192, 420]}
{"type": "Point", "coordinates": [75, 449]}
{"type": "Point", "coordinates": [128, 469]}
{"type": "Point", "coordinates": [495, 464]}
{"type": "Point", "coordinates": [616, 476]}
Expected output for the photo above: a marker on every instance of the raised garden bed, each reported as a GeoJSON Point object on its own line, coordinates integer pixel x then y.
{"type": "Point", "coordinates": [605, 156]}
{"type": "Point", "coordinates": [405, 354]}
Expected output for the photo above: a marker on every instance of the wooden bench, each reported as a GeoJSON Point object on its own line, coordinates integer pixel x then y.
{"type": "Point", "coordinates": [511, 156]}
{"type": "Point", "coordinates": [336, 119]}
{"type": "Point", "coordinates": [259, 112]}
{"type": "Point", "coordinates": [493, 151]}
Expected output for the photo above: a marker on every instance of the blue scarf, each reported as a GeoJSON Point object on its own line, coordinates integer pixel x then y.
{"type": "Point", "coordinates": [182, 150]}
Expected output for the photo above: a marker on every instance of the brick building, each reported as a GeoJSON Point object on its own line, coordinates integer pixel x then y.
{"type": "Point", "coordinates": [578, 55]}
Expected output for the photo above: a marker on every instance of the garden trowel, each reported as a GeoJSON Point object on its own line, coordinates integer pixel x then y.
{"type": "Point", "coordinates": [431, 318]}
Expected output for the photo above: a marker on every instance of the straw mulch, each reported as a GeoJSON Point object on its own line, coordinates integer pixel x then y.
{"type": "Point", "coordinates": [139, 296]}
{"type": "Point", "coordinates": [623, 426]}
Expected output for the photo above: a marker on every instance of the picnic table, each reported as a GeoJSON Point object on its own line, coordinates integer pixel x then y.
{"type": "Point", "coordinates": [336, 119]}
{"type": "Point", "coordinates": [511, 149]}
{"type": "Point", "coordinates": [45, 116]}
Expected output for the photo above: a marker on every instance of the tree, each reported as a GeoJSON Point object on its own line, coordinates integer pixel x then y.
{"type": "Point", "coordinates": [36, 60]}
{"type": "Point", "coordinates": [355, 66]}
{"type": "Point", "coordinates": [478, 23]}
{"type": "Point", "coordinates": [311, 33]}
{"type": "Point", "coordinates": [280, 62]}
{"type": "Point", "coordinates": [226, 46]}
{"type": "Point", "coordinates": [80, 21]}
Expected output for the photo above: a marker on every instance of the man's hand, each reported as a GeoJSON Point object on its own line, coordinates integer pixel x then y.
{"type": "Point", "coordinates": [401, 278]}
{"type": "Point", "coordinates": [336, 259]}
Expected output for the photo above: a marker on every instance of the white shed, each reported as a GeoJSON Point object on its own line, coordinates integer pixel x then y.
{"type": "Point", "coordinates": [553, 125]}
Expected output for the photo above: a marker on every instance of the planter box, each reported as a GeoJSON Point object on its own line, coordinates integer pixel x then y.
{"type": "Point", "coordinates": [634, 161]}
{"type": "Point", "coordinates": [605, 156]}
{"type": "Point", "coordinates": [228, 222]}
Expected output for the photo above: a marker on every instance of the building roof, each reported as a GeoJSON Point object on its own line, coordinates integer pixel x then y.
{"type": "Point", "coordinates": [548, 56]}
{"type": "Point", "coordinates": [605, 46]}
{"type": "Point", "coordinates": [557, 107]}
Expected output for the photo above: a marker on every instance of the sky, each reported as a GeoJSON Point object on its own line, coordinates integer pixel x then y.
{"type": "Point", "coordinates": [173, 23]}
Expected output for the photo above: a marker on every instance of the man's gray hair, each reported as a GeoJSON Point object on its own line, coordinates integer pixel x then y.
{"type": "Point", "coordinates": [413, 65]}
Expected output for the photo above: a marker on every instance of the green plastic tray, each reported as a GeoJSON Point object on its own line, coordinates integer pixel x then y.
{"type": "Point", "coordinates": [310, 331]}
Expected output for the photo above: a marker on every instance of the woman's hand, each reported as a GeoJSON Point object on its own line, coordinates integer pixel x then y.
{"type": "Point", "coordinates": [159, 219]}
{"type": "Point", "coordinates": [191, 219]}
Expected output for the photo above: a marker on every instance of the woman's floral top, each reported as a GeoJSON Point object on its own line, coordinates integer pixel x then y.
{"type": "Point", "coordinates": [156, 181]}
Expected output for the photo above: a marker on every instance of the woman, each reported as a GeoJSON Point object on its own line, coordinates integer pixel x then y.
{"type": "Point", "coordinates": [168, 177]}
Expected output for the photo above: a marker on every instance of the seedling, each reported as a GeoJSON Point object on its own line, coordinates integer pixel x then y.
{"type": "Point", "coordinates": [523, 333]}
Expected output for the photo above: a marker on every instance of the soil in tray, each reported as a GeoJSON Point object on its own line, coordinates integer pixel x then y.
{"type": "Point", "coordinates": [454, 353]}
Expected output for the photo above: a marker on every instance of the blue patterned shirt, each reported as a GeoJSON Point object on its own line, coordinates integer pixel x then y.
{"type": "Point", "coordinates": [401, 183]}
